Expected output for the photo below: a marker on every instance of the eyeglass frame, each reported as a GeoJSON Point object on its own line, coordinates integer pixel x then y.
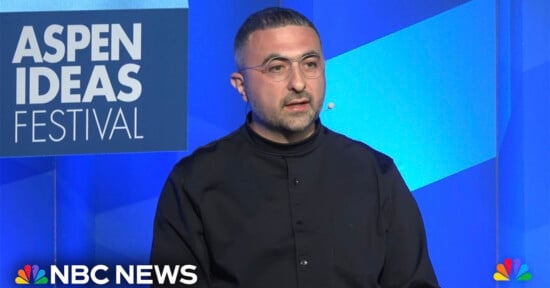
{"type": "Point", "coordinates": [263, 68]}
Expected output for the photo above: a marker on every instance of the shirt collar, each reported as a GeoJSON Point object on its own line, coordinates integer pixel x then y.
{"type": "Point", "coordinates": [294, 149]}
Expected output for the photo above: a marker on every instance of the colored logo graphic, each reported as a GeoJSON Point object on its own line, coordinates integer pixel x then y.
{"type": "Point", "coordinates": [31, 275]}
{"type": "Point", "coordinates": [505, 273]}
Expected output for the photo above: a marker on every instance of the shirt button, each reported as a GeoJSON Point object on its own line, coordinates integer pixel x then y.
{"type": "Point", "coordinates": [299, 222]}
{"type": "Point", "coordinates": [296, 181]}
{"type": "Point", "coordinates": [303, 262]}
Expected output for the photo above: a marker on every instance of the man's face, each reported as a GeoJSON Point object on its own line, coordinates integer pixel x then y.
{"type": "Point", "coordinates": [289, 106]}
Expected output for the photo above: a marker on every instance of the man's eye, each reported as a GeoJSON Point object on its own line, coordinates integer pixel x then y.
{"type": "Point", "coordinates": [312, 64]}
{"type": "Point", "coordinates": [276, 68]}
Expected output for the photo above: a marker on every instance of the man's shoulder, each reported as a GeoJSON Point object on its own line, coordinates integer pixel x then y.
{"type": "Point", "coordinates": [358, 150]}
{"type": "Point", "coordinates": [214, 152]}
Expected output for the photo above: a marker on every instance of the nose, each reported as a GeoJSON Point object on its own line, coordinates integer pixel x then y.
{"type": "Point", "coordinates": [296, 81]}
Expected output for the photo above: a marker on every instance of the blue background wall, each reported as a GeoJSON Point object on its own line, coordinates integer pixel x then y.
{"type": "Point", "coordinates": [455, 91]}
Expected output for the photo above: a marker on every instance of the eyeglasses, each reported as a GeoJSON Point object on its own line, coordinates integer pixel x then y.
{"type": "Point", "coordinates": [278, 68]}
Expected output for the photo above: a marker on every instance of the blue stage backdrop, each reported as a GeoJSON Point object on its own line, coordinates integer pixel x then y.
{"type": "Point", "coordinates": [455, 91]}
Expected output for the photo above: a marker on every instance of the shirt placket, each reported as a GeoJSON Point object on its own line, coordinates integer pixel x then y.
{"type": "Point", "coordinates": [297, 196]}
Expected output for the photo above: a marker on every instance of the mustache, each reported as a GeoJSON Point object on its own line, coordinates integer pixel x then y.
{"type": "Point", "coordinates": [293, 96]}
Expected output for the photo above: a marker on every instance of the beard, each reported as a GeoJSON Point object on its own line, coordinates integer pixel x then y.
{"type": "Point", "coordinates": [286, 121]}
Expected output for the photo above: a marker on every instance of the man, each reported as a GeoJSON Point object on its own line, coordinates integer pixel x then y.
{"type": "Point", "coordinates": [283, 201]}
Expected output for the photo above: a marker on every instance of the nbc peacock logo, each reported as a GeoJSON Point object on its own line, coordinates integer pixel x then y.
{"type": "Point", "coordinates": [31, 275]}
{"type": "Point", "coordinates": [520, 271]}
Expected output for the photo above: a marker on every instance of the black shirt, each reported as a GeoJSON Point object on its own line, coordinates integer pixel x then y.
{"type": "Point", "coordinates": [325, 212]}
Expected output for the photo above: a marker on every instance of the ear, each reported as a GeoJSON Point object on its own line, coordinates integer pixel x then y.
{"type": "Point", "coordinates": [237, 81]}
